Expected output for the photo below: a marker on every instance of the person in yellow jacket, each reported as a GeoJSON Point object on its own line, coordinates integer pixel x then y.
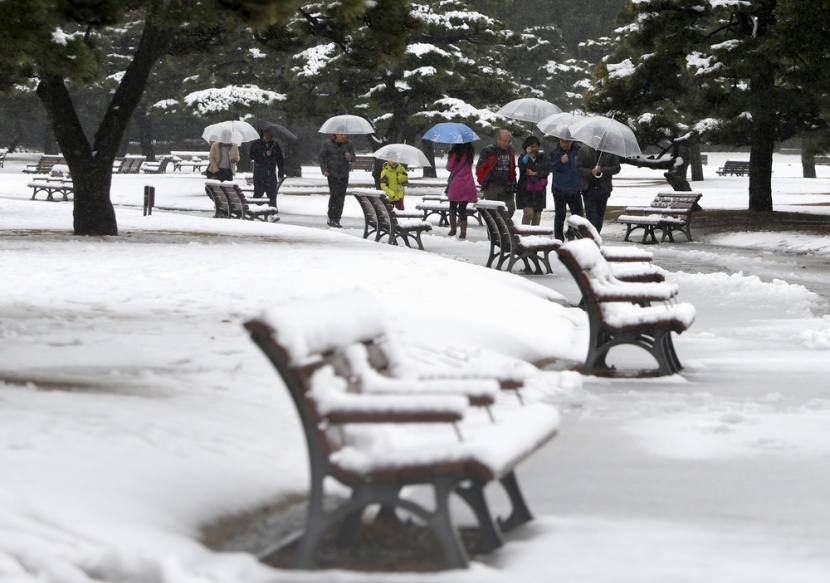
{"type": "Point", "coordinates": [393, 177]}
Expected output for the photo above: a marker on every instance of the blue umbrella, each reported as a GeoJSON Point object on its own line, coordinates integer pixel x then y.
{"type": "Point", "coordinates": [450, 133]}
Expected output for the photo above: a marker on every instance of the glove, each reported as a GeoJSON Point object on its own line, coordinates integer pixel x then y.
{"type": "Point", "coordinates": [525, 160]}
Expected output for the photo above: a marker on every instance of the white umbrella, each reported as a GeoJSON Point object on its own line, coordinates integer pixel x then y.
{"type": "Point", "coordinates": [606, 135]}
{"type": "Point", "coordinates": [231, 131]}
{"type": "Point", "coordinates": [403, 154]}
{"type": "Point", "coordinates": [529, 109]}
{"type": "Point", "coordinates": [346, 124]}
{"type": "Point", "coordinates": [559, 124]}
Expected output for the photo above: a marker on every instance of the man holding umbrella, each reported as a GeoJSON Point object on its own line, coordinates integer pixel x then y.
{"type": "Point", "coordinates": [595, 170]}
{"type": "Point", "coordinates": [496, 171]}
{"type": "Point", "coordinates": [269, 165]}
{"type": "Point", "coordinates": [336, 158]}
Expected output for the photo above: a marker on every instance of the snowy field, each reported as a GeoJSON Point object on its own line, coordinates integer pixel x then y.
{"type": "Point", "coordinates": [134, 410]}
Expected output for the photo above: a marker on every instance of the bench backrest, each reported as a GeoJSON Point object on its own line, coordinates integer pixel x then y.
{"type": "Point", "coordinates": [369, 212]}
{"type": "Point", "coordinates": [236, 204]}
{"type": "Point", "coordinates": [220, 200]}
{"type": "Point", "coordinates": [488, 210]}
{"type": "Point", "coordinates": [47, 162]}
{"type": "Point", "coordinates": [583, 229]}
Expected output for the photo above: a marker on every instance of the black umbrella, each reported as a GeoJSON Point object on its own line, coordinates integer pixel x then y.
{"type": "Point", "coordinates": [277, 131]}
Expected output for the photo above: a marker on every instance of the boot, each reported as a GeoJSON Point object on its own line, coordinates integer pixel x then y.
{"type": "Point", "coordinates": [463, 229]}
{"type": "Point", "coordinates": [452, 225]}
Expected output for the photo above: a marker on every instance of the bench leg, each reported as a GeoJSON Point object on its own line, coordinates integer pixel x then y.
{"type": "Point", "coordinates": [628, 228]}
{"type": "Point", "coordinates": [490, 536]}
{"type": "Point", "coordinates": [520, 513]}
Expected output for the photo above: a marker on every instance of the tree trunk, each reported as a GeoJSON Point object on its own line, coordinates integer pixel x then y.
{"type": "Point", "coordinates": [93, 212]}
{"type": "Point", "coordinates": [91, 164]}
{"type": "Point", "coordinates": [429, 149]}
{"type": "Point", "coordinates": [145, 133]}
{"type": "Point", "coordinates": [696, 164]}
{"type": "Point", "coordinates": [808, 166]}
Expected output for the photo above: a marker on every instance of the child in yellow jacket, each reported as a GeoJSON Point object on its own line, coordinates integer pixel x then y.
{"type": "Point", "coordinates": [393, 177]}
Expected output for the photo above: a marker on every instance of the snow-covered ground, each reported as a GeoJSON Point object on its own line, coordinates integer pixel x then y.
{"type": "Point", "coordinates": [134, 410]}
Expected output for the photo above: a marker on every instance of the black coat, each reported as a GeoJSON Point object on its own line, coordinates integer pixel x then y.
{"type": "Point", "coordinates": [268, 161]}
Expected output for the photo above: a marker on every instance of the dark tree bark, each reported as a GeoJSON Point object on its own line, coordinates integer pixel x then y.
{"type": "Point", "coordinates": [696, 164]}
{"type": "Point", "coordinates": [145, 133]}
{"type": "Point", "coordinates": [429, 150]}
{"type": "Point", "coordinates": [91, 164]}
{"type": "Point", "coordinates": [808, 164]}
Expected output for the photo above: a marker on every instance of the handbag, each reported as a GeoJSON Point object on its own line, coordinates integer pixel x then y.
{"type": "Point", "coordinates": [535, 184]}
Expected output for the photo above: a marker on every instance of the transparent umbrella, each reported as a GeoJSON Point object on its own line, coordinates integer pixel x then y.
{"type": "Point", "coordinates": [346, 124]}
{"type": "Point", "coordinates": [606, 135]}
{"type": "Point", "coordinates": [559, 124]}
{"type": "Point", "coordinates": [529, 109]}
{"type": "Point", "coordinates": [403, 154]}
{"type": "Point", "coordinates": [231, 131]}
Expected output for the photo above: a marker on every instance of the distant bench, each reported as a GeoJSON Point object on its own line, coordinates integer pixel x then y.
{"type": "Point", "coordinates": [44, 165]}
{"type": "Point", "coordinates": [668, 212]}
{"type": "Point", "coordinates": [52, 186]}
{"type": "Point", "coordinates": [381, 219]}
{"type": "Point", "coordinates": [510, 242]}
{"type": "Point", "coordinates": [734, 167]}
{"type": "Point", "coordinates": [440, 205]}
{"type": "Point", "coordinates": [128, 165]}
{"type": "Point", "coordinates": [362, 162]}
{"type": "Point", "coordinates": [822, 160]}
{"type": "Point", "coordinates": [193, 160]}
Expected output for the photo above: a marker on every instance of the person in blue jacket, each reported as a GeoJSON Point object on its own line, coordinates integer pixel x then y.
{"type": "Point", "coordinates": [564, 179]}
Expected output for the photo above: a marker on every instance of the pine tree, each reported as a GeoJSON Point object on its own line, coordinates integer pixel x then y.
{"type": "Point", "coordinates": [727, 71]}
{"type": "Point", "coordinates": [61, 47]}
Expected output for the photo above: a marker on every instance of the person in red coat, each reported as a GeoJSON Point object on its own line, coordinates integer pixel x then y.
{"type": "Point", "coordinates": [496, 171]}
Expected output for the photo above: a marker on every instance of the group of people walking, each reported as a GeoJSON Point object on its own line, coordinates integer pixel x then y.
{"type": "Point", "coordinates": [576, 173]}
{"type": "Point", "coordinates": [579, 176]}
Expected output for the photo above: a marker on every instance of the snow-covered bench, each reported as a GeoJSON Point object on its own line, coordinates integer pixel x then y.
{"type": "Point", "coordinates": [440, 205]}
{"type": "Point", "coordinates": [157, 167]}
{"type": "Point", "coordinates": [128, 165]}
{"type": "Point", "coordinates": [641, 314]}
{"type": "Point", "coordinates": [668, 212]}
{"type": "Point", "coordinates": [510, 242]}
{"type": "Point", "coordinates": [734, 167]}
{"type": "Point", "coordinates": [383, 220]}
{"type": "Point", "coordinates": [626, 263]}
{"type": "Point", "coordinates": [43, 165]}
{"type": "Point", "coordinates": [379, 431]}
{"type": "Point", "coordinates": [242, 208]}
{"type": "Point", "coordinates": [52, 186]}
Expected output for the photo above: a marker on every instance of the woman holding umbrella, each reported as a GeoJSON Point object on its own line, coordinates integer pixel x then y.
{"type": "Point", "coordinates": [224, 155]}
{"type": "Point", "coordinates": [461, 188]}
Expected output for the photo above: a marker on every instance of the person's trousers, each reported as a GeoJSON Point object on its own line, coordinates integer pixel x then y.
{"type": "Point", "coordinates": [493, 192]}
{"type": "Point", "coordinates": [561, 203]}
{"type": "Point", "coordinates": [595, 203]}
{"type": "Point", "coordinates": [337, 196]}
